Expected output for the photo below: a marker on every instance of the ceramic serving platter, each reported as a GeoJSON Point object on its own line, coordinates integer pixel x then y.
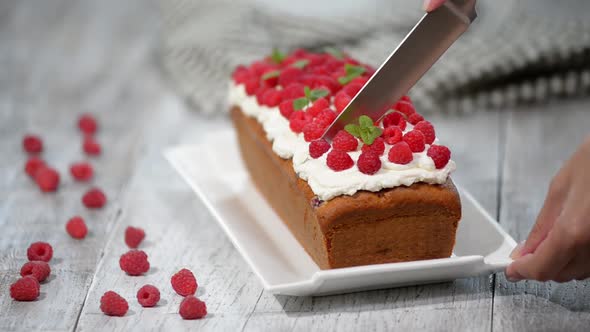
{"type": "Point", "coordinates": [217, 174]}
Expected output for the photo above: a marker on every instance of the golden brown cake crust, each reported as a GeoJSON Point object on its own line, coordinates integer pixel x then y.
{"type": "Point", "coordinates": [391, 225]}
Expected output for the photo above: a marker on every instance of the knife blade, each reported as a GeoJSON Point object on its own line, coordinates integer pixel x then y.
{"type": "Point", "coordinates": [420, 49]}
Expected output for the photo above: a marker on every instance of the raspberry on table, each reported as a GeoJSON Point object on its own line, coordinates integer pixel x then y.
{"type": "Point", "coordinates": [345, 142]}
{"type": "Point", "coordinates": [369, 163]}
{"type": "Point", "coordinates": [377, 147]}
{"type": "Point", "coordinates": [87, 124]}
{"type": "Point", "coordinates": [134, 262]}
{"type": "Point", "coordinates": [134, 236]}
{"type": "Point", "coordinates": [25, 289]}
{"type": "Point", "coordinates": [440, 154]}
{"type": "Point", "coordinates": [81, 171]}
{"type": "Point", "coordinates": [148, 296]}
{"type": "Point", "coordinates": [392, 135]}
{"type": "Point", "coordinates": [39, 270]}
{"type": "Point", "coordinates": [339, 160]}
{"type": "Point", "coordinates": [286, 108]}
{"type": "Point", "coordinates": [394, 119]}
{"type": "Point", "coordinates": [184, 282]}
{"type": "Point", "coordinates": [415, 140]}
{"type": "Point", "coordinates": [33, 165]}
{"type": "Point", "coordinates": [113, 304]}
{"type": "Point", "coordinates": [427, 129]}
{"type": "Point", "coordinates": [405, 107]}
{"type": "Point", "coordinates": [317, 148]}
{"type": "Point", "coordinates": [400, 153]}
{"type": "Point", "coordinates": [40, 251]}
{"type": "Point", "coordinates": [192, 308]}
{"type": "Point", "coordinates": [32, 144]}
{"type": "Point", "coordinates": [94, 198]}
{"type": "Point", "coordinates": [415, 118]}
{"type": "Point", "coordinates": [47, 179]}
{"type": "Point", "coordinates": [76, 227]}
{"type": "Point", "coordinates": [91, 146]}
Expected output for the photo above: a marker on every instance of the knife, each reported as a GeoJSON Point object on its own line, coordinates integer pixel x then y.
{"type": "Point", "coordinates": [420, 49]}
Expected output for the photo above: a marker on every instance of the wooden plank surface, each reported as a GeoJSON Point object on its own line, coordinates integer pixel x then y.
{"type": "Point", "coordinates": [60, 58]}
{"type": "Point", "coordinates": [538, 141]}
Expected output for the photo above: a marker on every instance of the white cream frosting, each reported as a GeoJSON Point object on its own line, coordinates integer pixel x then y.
{"type": "Point", "coordinates": [325, 182]}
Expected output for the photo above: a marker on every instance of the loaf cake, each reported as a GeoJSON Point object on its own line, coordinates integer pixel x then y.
{"type": "Point", "coordinates": [380, 192]}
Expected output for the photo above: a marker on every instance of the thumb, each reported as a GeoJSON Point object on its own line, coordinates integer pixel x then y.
{"type": "Point", "coordinates": [430, 5]}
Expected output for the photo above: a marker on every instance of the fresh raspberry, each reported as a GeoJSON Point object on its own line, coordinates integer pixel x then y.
{"type": "Point", "coordinates": [377, 147]}
{"type": "Point", "coordinates": [339, 160]}
{"type": "Point", "coordinates": [318, 148]}
{"type": "Point", "coordinates": [251, 86]}
{"type": "Point", "coordinates": [341, 100]}
{"type": "Point", "coordinates": [440, 154]}
{"type": "Point", "coordinates": [91, 146]}
{"type": "Point", "coordinates": [259, 67]}
{"type": "Point", "coordinates": [40, 251]}
{"type": "Point", "coordinates": [320, 70]}
{"type": "Point", "coordinates": [192, 308]}
{"type": "Point", "coordinates": [148, 296]}
{"type": "Point", "coordinates": [406, 98]}
{"type": "Point", "coordinates": [298, 120]}
{"type": "Point", "coordinates": [415, 118]}
{"type": "Point", "coordinates": [369, 163]}
{"type": "Point", "coordinates": [82, 171]}
{"type": "Point", "coordinates": [317, 106]}
{"type": "Point", "coordinates": [134, 262]}
{"type": "Point", "coordinates": [334, 64]}
{"type": "Point", "coordinates": [427, 129]}
{"type": "Point", "coordinates": [39, 270]}
{"type": "Point", "coordinates": [325, 82]}
{"type": "Point", "coordinates": [47, 179]}
{"type": "Point", "coordinates": [400, 153]}
{"type": "Point", "coordinates": [352, 89]}
{"type": "Point", "coordinates": [134, 236]}
{"type": "Point", "coordinates": [76, 227]}
{"type": "Point", "coordinates": [184, 282]}
{"type": "Point", "coordinates": [270, 81]}
{"type": "Point", "coordinates": [33, 165]}
{"type": "Point", "coordinates": [325, 117]}
{"type": "Point", "coordinates": [394, 119]}
{"type": "Point", "coordinates": [87, 124]}
{"type": "Point", "coordinates": [271, 98]}
{"type": "Point", "coordinates": [286, 108]}
{"type": "Point", "coordinates": [404, 107]}
{"type": "Point", "coordinates": [32, 144]}
{"type": "Point", "coordinates": [392, 135]}
{"type": "Point", "coordinates": [360, 80]}
{"type": "Point", "coordinates": [313, 131]}
{"type": "Point", "coordinates": [25, 289]}
{"type": "Point", "coordinates": [345, 142]}
{"type": "Point", "coordinates": [113, 304]}
{"type": "Point", "coordinates": [240, 74]}
{"type": "Point", "coordinates": [293, 91]}
{"type": "Point", "coordinates": [415, 140]}
{"type": "Point", "coordinates": [94, 198]}
{"type": "Point", "coordinates": [289, 75]}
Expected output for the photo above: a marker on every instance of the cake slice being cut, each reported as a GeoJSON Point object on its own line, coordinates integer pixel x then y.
{"type": "Point", "coordinates": [379, 193]}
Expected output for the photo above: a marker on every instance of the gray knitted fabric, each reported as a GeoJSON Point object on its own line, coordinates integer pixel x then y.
{"type": "Point", "coordinates": [517, 51]}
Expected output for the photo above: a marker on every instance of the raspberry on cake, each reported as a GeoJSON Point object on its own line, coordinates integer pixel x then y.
{"type": "Point", "coordinates": [374, 180]}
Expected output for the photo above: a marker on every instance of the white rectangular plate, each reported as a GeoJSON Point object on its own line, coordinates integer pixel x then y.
{"type": "Point", "coordinates": [215, 171]}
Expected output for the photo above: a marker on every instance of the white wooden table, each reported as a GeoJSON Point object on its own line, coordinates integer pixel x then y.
{"type": "Point", "coordinates": [60, 58]}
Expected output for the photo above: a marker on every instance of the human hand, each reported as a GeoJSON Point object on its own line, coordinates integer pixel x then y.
{"type": "Point", "coordinates": [558, 247]}
{"type": "Point", "coordinates": [430, 5]}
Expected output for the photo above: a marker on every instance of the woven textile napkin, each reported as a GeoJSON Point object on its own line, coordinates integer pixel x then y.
{"type": "Point", "coordinates": [517, 51]}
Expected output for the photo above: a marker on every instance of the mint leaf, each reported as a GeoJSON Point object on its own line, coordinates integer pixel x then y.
{"type": "Point", "coordinates": [352, 72]}
{"type": "Point", "coordinates": [307, 92]}
{"type": "Point", "coordinates": [366, 137]}
{"type": "Point", "coordinates": [277, 56]}
{"type": "Point", "coordinates": [338, 54]}
{"type": "Point", "coordinates": [317, 94]}
{"type": "Point", "coordinates": [365, 121]}
{"type": "Point", "coordinates": [353, 129]}
{"type": "Point", "coordinates": [300, 103]}
{"type": "Point", "coordinates": [376, 131]}
{"type": "Point", "coordinates": [300, 64]}
{"type": "Point", "coordinates": [271, 74]}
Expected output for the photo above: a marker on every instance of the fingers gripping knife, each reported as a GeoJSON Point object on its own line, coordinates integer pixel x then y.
{"type": "Point", "coordinates": [420, 49]}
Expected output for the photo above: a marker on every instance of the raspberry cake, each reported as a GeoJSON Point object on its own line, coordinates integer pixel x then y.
{"type": "Point", "coordinates": [380, 192]}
